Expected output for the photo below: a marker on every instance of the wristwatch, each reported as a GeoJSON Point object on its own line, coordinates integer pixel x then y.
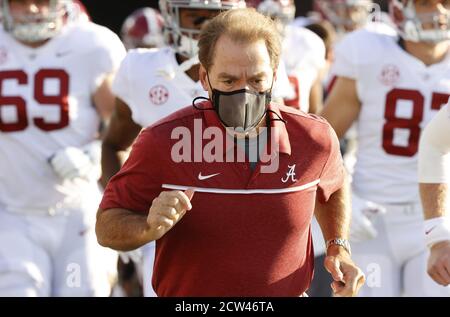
{"type": "Point", "coordinates": [341, 242]}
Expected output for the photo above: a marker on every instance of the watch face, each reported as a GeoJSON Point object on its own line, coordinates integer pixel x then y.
{"type": "Point", "coordinates": [341, 242]}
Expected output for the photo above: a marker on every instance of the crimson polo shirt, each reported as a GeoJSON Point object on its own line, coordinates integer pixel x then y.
{"type": "Point", "coordinates": [248, 233]}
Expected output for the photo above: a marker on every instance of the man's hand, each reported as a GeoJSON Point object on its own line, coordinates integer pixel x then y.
{"type": "Point", "coordinates": [348, 278]}
{"type": "Point", "coordinates": [439, 263]}
{"type": "Point", "coordinates": [166, 210]}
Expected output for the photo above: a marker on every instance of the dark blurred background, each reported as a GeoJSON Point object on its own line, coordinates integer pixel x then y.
{"type": "Point", "coordinates": [113, 13]}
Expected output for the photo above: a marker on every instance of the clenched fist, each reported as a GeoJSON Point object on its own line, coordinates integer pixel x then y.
{"type": "Point", "coordinates": [166, 210]}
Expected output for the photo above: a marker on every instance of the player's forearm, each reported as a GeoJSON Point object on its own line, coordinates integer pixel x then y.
{"type": "Point", "coordinates": [121, 229]}
{"type": "Point", "coordinates": [435, 200]}
{"type": "Point", "coordinates": [334, 215]}
{"type": "Point", "coordinates": [111, 162]}
{"type": "Point", "coordinates": [342, 106]}
{"type": "Point", "coordinates": [316, 97]}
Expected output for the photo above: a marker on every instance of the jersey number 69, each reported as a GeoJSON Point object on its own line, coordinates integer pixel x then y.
{"type": "Point", "coordinates": [57, 100]}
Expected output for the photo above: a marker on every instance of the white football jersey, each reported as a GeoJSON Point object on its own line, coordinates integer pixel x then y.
{"type": "Point", "coordinates": [304, 56]}
{"type": "Point", "coordinates": [399, 95]}
{"type": "Point", "coordinates": [46, 105]}
{"type": "Point", "coordinates": [151, 83]}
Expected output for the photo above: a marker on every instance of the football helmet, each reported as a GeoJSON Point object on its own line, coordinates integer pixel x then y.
{"type": "Point", "coordinates": [424, 27]}
{"type": "Point", "coordinates": [143, 28]}
{"type": "Point", "coordinates": [182, 39]}
{"type": "Point", "coordinates": [345, 15]}
{"type": "Point", "coordinates": [36, 27]}
{"type": "Point", "coordinates": [281, 10]}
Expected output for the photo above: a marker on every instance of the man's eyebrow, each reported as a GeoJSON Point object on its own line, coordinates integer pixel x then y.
{"type": "Point", "coordinates": [259, 75]}
{"type": "Point", "coordinates": [224, 75]}
{"type": "Point", "coordinates": [227, 76]}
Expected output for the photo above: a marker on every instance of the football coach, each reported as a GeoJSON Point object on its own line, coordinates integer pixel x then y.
{"type": "Point", "coordinates": [225, 226]}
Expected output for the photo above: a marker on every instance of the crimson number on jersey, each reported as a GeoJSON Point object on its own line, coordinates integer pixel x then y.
{"type": "Point", "coordinates": [59, 100]}
{"type": "Point", "coordinates": [412, 124]}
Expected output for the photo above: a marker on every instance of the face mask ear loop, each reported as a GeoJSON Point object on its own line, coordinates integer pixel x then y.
{"type": "Point", "coordinates": [278, 119]}
{"type": "Point", "coordinates": [200, 98]}
{"type": "Point", "coordinates": [203, 98]}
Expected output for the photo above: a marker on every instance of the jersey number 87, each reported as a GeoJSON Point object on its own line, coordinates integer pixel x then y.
{"type": "Point", "coordinates": [412, 124]}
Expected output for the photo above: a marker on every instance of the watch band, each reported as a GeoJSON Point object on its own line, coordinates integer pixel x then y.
{"type": "Point", "coordinates": [340, 242]}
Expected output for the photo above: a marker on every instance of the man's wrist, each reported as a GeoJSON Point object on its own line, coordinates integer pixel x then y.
{"type": "Point", "coordinates": [439, 245]}
{"type": "Point", "coordinates": [337, 245]}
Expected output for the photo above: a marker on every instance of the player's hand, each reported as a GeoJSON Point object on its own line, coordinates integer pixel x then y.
{"type": "Point", "coordinates": [348, 278]}
{"type": "Point", "coordinates": [439, 263]}
{"type": "Point", "coordinates": [135, 256]}
{"type": "Point", "coordinates": [363, 211]}
{"type": "Point", "coordinates": [166, 210]}
{"type": "Point", "coordinates": [73, 162]}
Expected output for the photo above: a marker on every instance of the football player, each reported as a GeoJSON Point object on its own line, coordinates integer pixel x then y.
{"type": "Point", "coordinates": [345, 15]}
{"type": "Point", "coordinates": [55, 78]}
{"type": "Point", "coordinates": [392, 86]}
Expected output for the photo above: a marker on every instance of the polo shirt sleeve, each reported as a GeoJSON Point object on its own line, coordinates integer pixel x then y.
{"type": "Point", "coordinates": [333, 173]}
{"type": "Point", "coordinates": [139, 181]}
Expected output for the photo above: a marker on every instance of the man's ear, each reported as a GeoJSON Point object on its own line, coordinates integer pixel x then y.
{"type": "Point", "coordinates": [203, 77]}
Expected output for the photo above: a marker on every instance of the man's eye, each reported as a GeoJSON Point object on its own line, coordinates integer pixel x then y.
{"type": "Point", "coordinates": [228, 82]}
{"type": "Point", "coordinates": [258, 82]}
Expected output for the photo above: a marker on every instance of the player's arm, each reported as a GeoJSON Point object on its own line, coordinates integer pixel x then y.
{"type": "Point", "coordinates": [104, 98]}
{"type": "Point", "coordinates": [342, 105]}
{"type": "Point", "coordinates": [119, 135]}
{"type": "Point", "coordinates": [435, 201]}
{"type": "Point", "coordinates": [316, 97]}
{"type": "Point", "coordinates": [434, 177]}
{"type": "Point", "coordinates": [434, 165]}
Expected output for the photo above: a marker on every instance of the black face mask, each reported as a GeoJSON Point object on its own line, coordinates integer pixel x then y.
{"type": "Point", "coordinates": [241, 109]}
